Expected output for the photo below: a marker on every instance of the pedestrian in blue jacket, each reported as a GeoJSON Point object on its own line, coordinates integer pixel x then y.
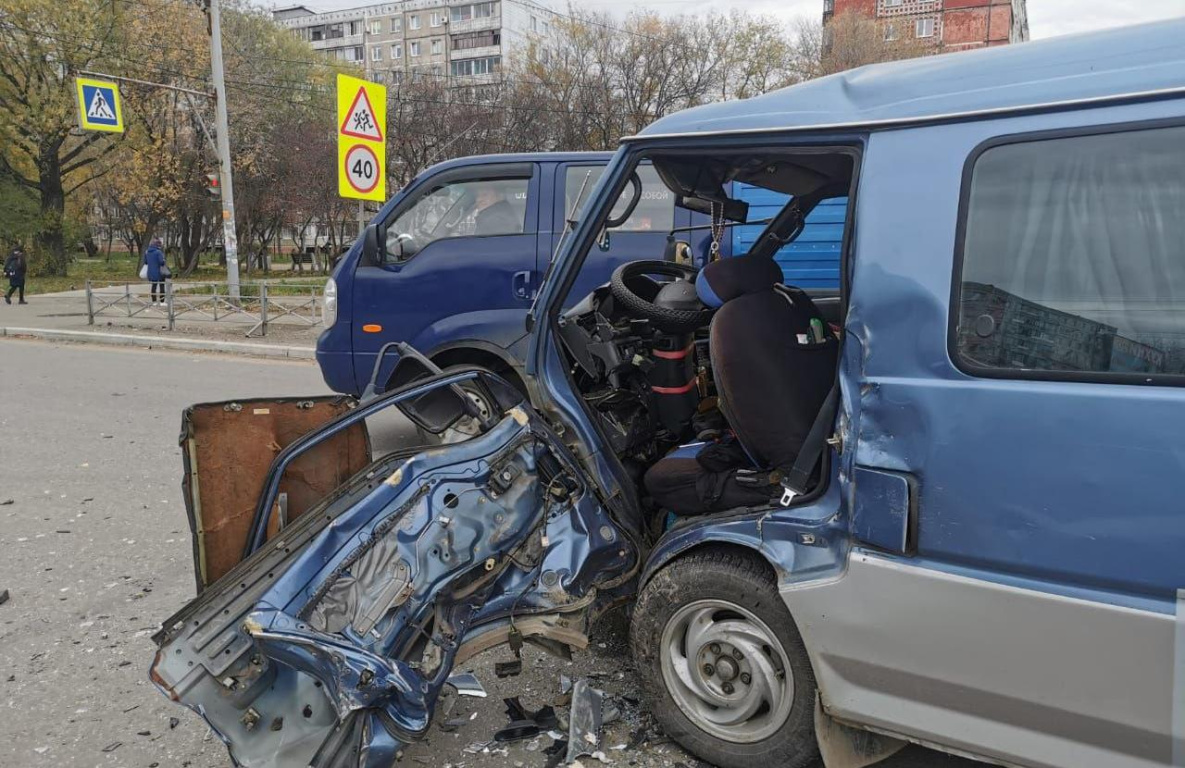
{"type": "Point", "coordinates": [156, 271]}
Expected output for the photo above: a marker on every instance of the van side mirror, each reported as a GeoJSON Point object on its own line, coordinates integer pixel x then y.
{"type": "Point", "coordinates": [434, 411]}
{"type": "Point", "coordinates": [370, 245]}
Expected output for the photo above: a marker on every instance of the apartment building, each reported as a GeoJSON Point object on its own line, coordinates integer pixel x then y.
{"type": "Point", "coordinates": [950, 25]}
{"type": "Point", "coordinates": [464, 39]}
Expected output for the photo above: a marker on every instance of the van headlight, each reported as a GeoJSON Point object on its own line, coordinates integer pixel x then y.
{"type": "Point", "coordinates": [329, 306]}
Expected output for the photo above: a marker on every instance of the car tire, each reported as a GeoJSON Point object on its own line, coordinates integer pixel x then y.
{"type": "Point", "coordinates": [711, 629]}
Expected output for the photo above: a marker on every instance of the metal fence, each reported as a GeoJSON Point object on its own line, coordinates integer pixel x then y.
{"type": "Point", "coordinates": [259, 303]}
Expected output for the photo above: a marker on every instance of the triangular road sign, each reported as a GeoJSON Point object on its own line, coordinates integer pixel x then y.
{"type": "Point", "coordinates": [361, 122]}
{"type": "Point", "coordinates": [99, 109]}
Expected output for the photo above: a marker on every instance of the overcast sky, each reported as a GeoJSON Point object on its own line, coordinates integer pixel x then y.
{"type": "Point", "coordinates": [1046, 17]}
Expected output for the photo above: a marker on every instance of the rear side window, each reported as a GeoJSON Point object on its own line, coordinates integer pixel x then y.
{"type": "Point", "coordinates": [655, 211]}
{"type": "Point", "coordinates": [1074, 258]}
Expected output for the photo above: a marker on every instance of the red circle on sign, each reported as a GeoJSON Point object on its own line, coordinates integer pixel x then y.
{"type": "Point", "coordinates": [359, 155]}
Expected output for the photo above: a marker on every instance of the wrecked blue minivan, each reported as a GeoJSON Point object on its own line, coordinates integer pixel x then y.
{"type": "Point", "coordinates": [943, 508]}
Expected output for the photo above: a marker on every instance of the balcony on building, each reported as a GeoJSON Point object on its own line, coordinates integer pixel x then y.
{"type": "Point", "coordinates": [474, 16]}
{"type": "Point", "coordinates": [475, 45]}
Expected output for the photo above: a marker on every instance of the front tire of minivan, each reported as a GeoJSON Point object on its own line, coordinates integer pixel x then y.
{"type": "Point", "coordinates": [722, 664]}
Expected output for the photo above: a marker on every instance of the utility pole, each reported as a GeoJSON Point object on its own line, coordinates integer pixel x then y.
{"type": "Point", "coordinates": [230, 241]}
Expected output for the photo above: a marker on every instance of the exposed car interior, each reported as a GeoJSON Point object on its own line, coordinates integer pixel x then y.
{"type": "Point", "coordinates": [707, 382]}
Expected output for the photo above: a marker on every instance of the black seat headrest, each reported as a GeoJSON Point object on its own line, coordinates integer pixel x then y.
{"type": "Point", "coordinates": [727, 279]}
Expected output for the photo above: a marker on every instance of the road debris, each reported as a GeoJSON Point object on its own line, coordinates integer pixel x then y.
{"type": "Point", "coordinates": [454, 723]}
{"type": "Point", "coordinates": [467, 684]}
{"type": "Point", "coordinates": [525, 724]}
{"type": "Point", "coordinates": [3, 596]}
{"type": "Point", "coordinates": [555, 753]}
{"type": "Point", "coordinates": [585, 720]}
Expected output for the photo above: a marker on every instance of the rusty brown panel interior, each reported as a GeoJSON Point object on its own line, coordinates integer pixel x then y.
{"type": "Point", "coordinates": [230, 448]}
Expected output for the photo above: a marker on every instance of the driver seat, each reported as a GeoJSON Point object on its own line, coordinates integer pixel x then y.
{"type": "Point", "coordinates": [772, 374]}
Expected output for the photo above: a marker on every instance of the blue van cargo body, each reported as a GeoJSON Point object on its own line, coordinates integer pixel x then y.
{"type": "Point", "coordinates": [986, 556]}
{"type": "Point", "coordinates": [812, 260]}
{"type": "Point", "coordinates": [462, 304]}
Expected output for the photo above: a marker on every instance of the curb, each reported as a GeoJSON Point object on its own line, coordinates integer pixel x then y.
{"type": "Point", "coordinates": [164, 342]}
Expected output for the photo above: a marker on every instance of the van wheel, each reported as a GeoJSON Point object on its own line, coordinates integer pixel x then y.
{"type": "Point", "coordinates": [722, 664]}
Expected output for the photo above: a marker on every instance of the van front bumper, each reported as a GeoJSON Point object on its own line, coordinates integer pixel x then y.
{"type": "Point", "coordinates": [335, 356]}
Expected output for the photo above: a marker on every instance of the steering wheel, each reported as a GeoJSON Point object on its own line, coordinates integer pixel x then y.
{"type": "Point", "coordinates": [663, 318]}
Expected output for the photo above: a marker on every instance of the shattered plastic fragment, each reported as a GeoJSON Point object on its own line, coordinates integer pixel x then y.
{"type": "Point", "coordinates": [467, 684]}
{"type": "Point", "coordinates": [584, 732]}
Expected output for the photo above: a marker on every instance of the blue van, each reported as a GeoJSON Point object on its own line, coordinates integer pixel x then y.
{"type": "Point", "coordinates": [463, 278]}
{"type": "Point", "coordinates": [943, 507]}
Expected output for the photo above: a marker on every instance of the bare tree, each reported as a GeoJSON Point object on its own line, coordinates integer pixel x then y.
{"type": "Point", "coordinates": [850, 40]}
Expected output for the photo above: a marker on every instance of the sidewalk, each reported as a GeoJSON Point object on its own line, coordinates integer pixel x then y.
{"type": "Point", "coordinates": [62, 317]}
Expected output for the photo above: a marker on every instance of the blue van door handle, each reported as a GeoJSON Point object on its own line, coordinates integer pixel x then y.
{"type": "Point", "coordinates": [522, 285]}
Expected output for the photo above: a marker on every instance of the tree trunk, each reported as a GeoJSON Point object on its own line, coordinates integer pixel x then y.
{"type": "Point", "coordinates": [191, 241]}
{"type": "Point", "coordinates": [50, 239]}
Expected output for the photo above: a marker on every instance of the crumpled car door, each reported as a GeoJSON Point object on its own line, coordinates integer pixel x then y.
{"type": "Point", "coordinates": [228, 449]}
{"type": "Point", "coordinates": [329, 644]}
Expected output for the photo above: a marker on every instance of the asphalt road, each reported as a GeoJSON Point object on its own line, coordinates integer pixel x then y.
{"type": "Point", "coordinates": [95, 551]}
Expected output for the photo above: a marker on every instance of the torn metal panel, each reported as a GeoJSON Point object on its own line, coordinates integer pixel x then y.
{"type": "Point", "coordinates": [801, 543]}
{"type": "Point", "coordinates": [352, 630]}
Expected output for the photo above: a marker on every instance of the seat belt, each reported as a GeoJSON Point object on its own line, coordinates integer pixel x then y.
{"type": "Point", "coordinates": [795, 481]}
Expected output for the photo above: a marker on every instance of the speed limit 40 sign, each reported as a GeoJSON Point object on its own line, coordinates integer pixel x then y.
{"type": "Point", "coordinates": [361, 170]}
{"type": "Point", "coordinates": [361, 139]}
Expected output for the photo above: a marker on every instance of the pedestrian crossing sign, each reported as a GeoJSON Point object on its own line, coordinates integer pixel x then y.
{"type": "Point", "coordinates": [98, 106]}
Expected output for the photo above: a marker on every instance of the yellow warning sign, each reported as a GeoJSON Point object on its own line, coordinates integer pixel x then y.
{"type": "Point", "coordinates": [98, 105]}
{"type": "Point", "coordinates": [361, 139]}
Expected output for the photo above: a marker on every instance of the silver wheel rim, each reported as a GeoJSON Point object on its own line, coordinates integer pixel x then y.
{"type": "Point", "coordinates": [727, 671]}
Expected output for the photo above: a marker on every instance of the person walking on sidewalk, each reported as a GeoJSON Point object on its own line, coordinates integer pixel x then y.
{"type": "Point", "coordinates": [15, 267]}
{"type": "Point", "coordinates": [155, 270]}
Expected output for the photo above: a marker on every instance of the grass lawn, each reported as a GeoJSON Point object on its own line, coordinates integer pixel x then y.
{"type": "Point", "coordinates": [122, 269]}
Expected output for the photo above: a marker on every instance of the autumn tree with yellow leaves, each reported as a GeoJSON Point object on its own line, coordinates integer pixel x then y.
{"type": "Point", "coordinates": [150, 180]}
{"type": "Point", "coordinates": [42, 46]}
